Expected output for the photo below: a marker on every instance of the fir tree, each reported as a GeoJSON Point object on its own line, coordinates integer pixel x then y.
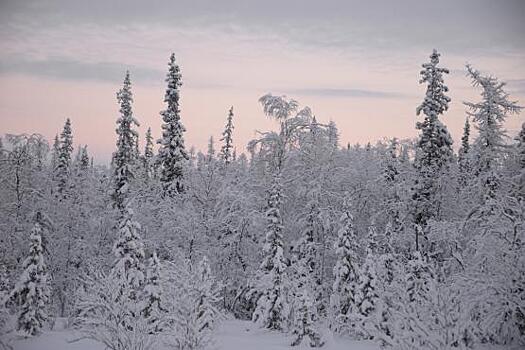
{"type": "Point", "coordinates": [210, 154]}
{"type": "Point", "coordinates": [304, 322]}
{"type": "Point", "coordinates": [124, 157]}
{"type": "Point", "coordinates": [172, 152]}
{"type": "Point", "coordinates": [434, 147]}
{"type": "Point", "coordinates": [226, 153]}
{"type": "Point", "coordinates": [63, 167]}
{"type": "Point", "coordinates": [31, 292]}
{"type": "Point", "coordinates": [342, 300]}
{"type": "Point", "coordinates": [271, 305]}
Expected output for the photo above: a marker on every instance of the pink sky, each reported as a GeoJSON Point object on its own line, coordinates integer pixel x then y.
{"type": "Point", "coordinates": [370, 89]}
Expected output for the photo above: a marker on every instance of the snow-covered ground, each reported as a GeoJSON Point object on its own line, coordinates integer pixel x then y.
{"type": "Point", "coordinates": [233, 334]}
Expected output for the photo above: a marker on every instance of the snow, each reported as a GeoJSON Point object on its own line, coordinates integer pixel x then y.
{"type": "Point", "coordinates": [232, 334]}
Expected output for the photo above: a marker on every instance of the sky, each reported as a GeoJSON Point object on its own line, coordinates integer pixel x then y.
{"type": "Point", "coordinates": [354, 62]}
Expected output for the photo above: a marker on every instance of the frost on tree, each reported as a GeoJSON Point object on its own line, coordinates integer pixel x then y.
{"type": "Point", "coordinates": [31, 292]}
{"type": "Point", "coordinates": [434, 147]}
{"type": "Point", "coordinates": [342, 301]}
{"type": "Point", "coordinates": [271, 307]}
{"type": "Point", "coordinates": [124, 157]}
{"type": "Point", "coordinates": [304, 322]}
{"type": "Point", "coordinates": [226, 153]}
{"type": "Point", "coordinates": [172, 152]}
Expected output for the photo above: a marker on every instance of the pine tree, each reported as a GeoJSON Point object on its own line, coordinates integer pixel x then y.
{"type": "Point", "coordinates": [148, 155]}
{"type": "Point", "coordinates": [153, 308]}
{"type": "Point", "coordinates": [271, 305]}
{"type": "Point", "coordinates": [342, 300]}
{"type": "Point", "coordinates": [304, 322]}
{"type": "Point", "coordinates": [63, 167]}
{"type": "Point", "coordinates": [489, 115]}
{"type": "Point", "coordinates": [434, 147]}
{"type": "Point", "coordinates": [172, 152]}
{"type": "Point", "coordinates": [227, 139]}
{"type": "Point", "coordinates": [124, 157]}
{"type": "Point", "coordinates": [31, 292]}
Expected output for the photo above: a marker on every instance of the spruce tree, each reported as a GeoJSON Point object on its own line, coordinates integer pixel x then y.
{"type": "Point", "coordinates": [128, 250]}
{"type": "Point", "coordinates": [172, 152]}
{"type": "Point", "coordinates": [434, 147]}
{"type": "Point", "coordinates": [489, 115]}
{"type": "Point", "coordinates": [55, 152]}
{"type": "Point", "coordinates": [464, 152]}
{"type": "Point", "coordinates": [124, 157]}
{"type": "Point", "coordinates": [63, 166]}
{"type": "Point", "coordinates": [148, 155]}
{"type": "Point", "coordinates": [226, 153]}
{"type": "Point", "coordinates": [367, 291]}
{"type": "Point", "coordinates": [342, 300]}
{"type": "Point", "coordinates": [153, 308]}
{"type": "Point", "coordinates": [84, 159]}
{"type": "Point", "coordinates": [304, 322]}
{"type": "Point", "coordinates": [31, 292]}
{"type": "Point", "coordinates": [272, 305]}
{"type": "Point", "coordinates": [207, 297]}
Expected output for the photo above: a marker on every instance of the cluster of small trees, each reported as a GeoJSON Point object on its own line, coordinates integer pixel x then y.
{"type": "Point", "coordinates": [404, 242]}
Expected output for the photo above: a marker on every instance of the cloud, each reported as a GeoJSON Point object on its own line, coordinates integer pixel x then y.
{"type": "Point", "coordinates": [346, 93]}
{"type": "Point", "coordinates": [67, 69]}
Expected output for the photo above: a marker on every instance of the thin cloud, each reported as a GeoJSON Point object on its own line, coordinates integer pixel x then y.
{"type": "Point", "coordinates": [68, 69]}
{"type": "Point", "coordinates": [346, 93]}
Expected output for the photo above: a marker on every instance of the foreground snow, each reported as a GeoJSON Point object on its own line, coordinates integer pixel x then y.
{"type": "Point", "coordinates": [233, 334]}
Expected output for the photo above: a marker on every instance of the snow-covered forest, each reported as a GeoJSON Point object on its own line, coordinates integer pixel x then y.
{"type": "Point", "coordinates": [402, 244]}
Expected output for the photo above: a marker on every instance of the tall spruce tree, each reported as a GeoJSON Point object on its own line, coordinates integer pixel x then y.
{"type": "Point", "coordinates": [31, 292]}
{"type": "Point", "coordinates": [128, 248]}
{"type": "Point", "coordinates": [55, 152]}
{"type": "Point", "coordinates": [434, 147]}
{"type": "Point", "coordinates": [172, 152]}
{"type": "Point", "coordinates": [124, 156]}
{"type": "Point", "coordinates": [63, 166]}
{"type": "Point", "coordinates": [489, 115]}
{"type": "Point", "coordinates": [271, 307]}
{"type": "Point", "coordinates": [226, 153]}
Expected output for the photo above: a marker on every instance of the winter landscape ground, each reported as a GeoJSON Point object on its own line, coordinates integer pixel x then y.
{"type": "Point", "coordinates": [298, 239]}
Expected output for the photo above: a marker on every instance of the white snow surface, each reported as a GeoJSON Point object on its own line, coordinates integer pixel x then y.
{"type": "Point", "coordinates": [231, 335]}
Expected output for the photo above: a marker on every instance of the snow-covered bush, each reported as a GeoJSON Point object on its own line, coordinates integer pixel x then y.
{"type": "Point", "coordinates": [107, 316]}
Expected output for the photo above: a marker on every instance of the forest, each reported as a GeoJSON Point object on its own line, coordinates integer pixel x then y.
{"type": "Point", "coordinates": [405, 243]}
